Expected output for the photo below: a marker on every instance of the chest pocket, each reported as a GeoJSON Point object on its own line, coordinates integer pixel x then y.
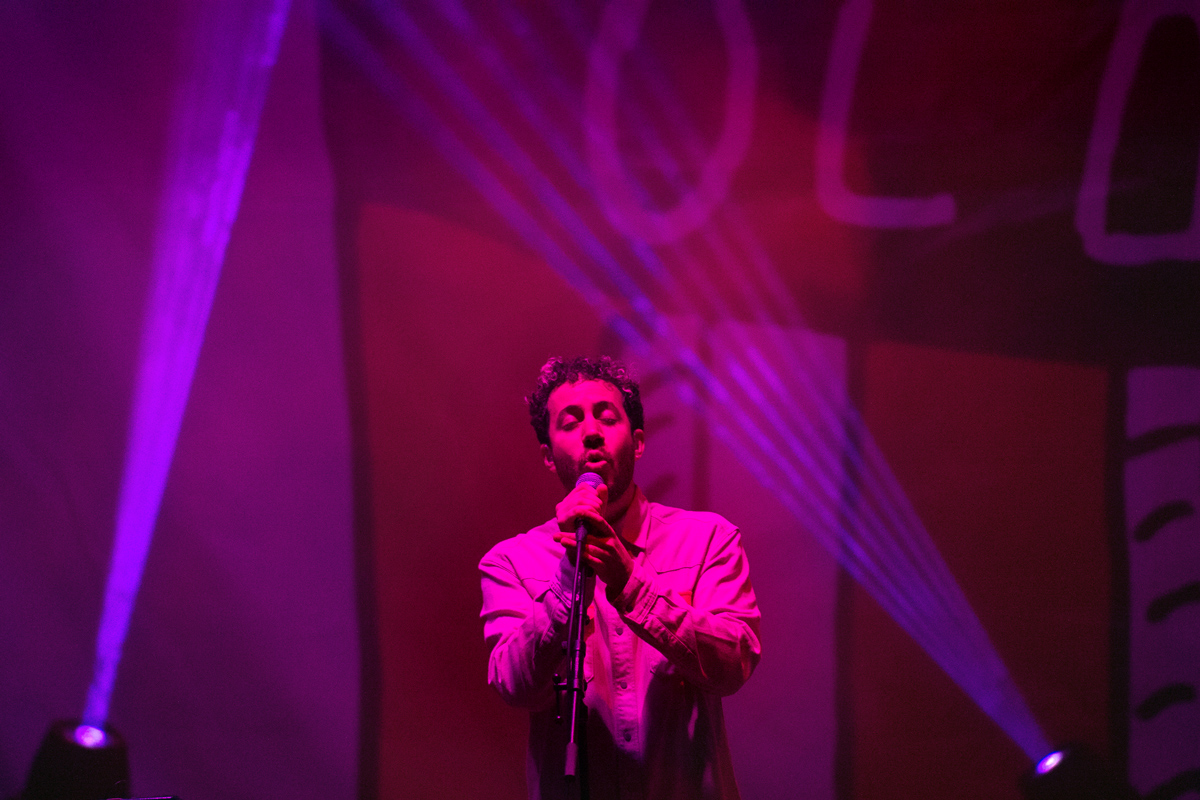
{"type": "Point", "coordinates": [682, 577]}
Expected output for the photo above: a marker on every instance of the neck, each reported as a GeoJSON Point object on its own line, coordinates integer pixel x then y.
{"type": "Point", "coordinates": [617, 509]}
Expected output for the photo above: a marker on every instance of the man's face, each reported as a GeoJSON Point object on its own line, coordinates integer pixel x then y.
{"type": "Point", "coordinates": [590, 432]}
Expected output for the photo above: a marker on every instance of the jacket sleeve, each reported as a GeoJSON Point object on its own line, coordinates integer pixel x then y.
{"type": "Point", "coordinates": [712, 637]}
{"type": "Point", "coordinates": [524, 626]}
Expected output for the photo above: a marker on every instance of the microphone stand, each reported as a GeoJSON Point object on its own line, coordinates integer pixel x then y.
{"type": "Point", "coordinates": [576, 758]}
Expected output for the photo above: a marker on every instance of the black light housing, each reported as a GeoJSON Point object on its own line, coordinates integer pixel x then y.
{"type": "Point", "coordinates": [79, 762]}
{"type": "Point", "coordinates": [1074, 772]}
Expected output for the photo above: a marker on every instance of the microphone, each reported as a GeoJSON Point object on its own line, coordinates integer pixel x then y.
{"type": "Point", "coordinates": [590, 478]}
{"type": "Point", "coordinates": [575, 649]}
{"type": "Point", "coordinates": [593, 480]}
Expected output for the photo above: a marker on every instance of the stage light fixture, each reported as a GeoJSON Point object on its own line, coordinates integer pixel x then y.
{"type": "Point", "coordinates": [1074, 772]}
{"type": "Point", "coordinates": [79, 762]}
{"type": "Point", "coordinates": [1049, 762]}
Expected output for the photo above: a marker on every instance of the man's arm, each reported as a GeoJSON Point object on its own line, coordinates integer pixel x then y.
{"type": "Point", "coordinates": [524, 629]}
{"type": "Point", "coordinates": [710, 638]}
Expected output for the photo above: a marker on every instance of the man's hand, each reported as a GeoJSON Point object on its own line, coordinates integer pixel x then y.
{"type": "Point", "coordinates": [604, 551]}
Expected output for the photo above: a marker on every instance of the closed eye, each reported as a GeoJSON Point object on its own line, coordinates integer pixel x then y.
{"type": "Point", "coordinates": [607, 413]}
{"type": "Point", "coordinates": [569, 419]}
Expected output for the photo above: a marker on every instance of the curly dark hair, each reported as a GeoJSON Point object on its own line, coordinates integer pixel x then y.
{"type": "Point", "coordinates": [558, 371]}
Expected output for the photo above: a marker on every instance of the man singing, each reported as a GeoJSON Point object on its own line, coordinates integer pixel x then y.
{"type": "Point", "coordinates": [673, 626]}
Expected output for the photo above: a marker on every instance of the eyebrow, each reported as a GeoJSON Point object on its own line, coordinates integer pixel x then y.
{"type": "Point", "coordinates": [601, 405]}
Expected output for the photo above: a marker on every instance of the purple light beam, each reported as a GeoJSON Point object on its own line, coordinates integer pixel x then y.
{"type": "Point", "coordinates": [232, 51]}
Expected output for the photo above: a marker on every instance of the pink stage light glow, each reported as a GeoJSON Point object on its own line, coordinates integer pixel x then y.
{"type": "Point", "coordinates": [813, 451]}
{"type": "Point", "coordinates": [90, 736]}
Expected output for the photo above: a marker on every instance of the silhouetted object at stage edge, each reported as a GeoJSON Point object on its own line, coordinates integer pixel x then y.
{"type": "Point", "coordinates": [66, 769]}
{"type": "Point", "coordinates": [1074, 772]}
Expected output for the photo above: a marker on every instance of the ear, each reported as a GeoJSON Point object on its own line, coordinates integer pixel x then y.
{"type": "Point", "coordinates": [639, 443]}
{"type": "Point", "coordinates": [548, 459]}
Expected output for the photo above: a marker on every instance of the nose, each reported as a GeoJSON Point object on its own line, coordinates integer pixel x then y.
{"type": "Point", "coordinates": [592, 433]}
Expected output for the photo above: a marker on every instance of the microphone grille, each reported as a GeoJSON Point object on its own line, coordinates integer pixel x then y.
{"type": "Point", "coordinates": [590, 478]}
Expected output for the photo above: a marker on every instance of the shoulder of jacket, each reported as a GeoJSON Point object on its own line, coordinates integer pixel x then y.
{"type": "Point", "coordinates": [672, 515]}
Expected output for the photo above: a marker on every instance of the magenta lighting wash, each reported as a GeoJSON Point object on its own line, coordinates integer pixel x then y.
{"type": "Point", "coordinates": [545, 156]}
{"type": "Point", "coordinates": [215, 122]}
